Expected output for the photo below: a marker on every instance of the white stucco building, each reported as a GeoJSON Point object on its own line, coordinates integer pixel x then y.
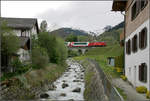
{"type": "Point", "coordinates": [137, 40]}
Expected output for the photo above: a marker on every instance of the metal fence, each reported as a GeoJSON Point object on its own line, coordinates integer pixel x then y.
{"type": "Point", "coordinates": [109, 89]}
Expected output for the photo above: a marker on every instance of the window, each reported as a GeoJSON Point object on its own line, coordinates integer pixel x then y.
{"type": "Point", "coordinates": [23, 33]}
{"type": "Point", "coordinates": [138, 6]}
{"type": "Point", "coordinates": [128, 47]}
{"type": "Point", "coordinates": [134, 43]}
{"type": "Point", "coordinates": [143, 72]}
{"type": "Point", "coordinates": [143, 4]}
{"type": "Point", "coordinates": [143, 38]}
{"type": "Point", "coordinates": [134, 10]}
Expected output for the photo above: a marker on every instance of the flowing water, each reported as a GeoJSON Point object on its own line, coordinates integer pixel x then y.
{"type": "Point", "coordinates": [70, 86]}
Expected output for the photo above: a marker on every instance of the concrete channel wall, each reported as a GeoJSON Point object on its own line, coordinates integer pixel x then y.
{"type": "Point", "coordinates": [100, 88]}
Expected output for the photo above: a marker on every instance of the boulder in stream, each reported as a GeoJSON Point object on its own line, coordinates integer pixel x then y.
{"type": "Point", "coordinates": [44, 95]}
{"type": "Point", "coordinates": [64, 85]}
{"type": "Point", "coordinates": [76, 81]}
{"type": "Point", "coordinates": [77, 90]}
{"type": "Point", "coordinates": [62, 94]}
{"type": "Point", "coordinates": [52, 87]}
{"type": "Point", "coordinates": [71, 100]}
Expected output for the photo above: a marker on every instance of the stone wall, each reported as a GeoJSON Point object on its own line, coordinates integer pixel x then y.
{"type": "Point", "coordinates": [97, 85]}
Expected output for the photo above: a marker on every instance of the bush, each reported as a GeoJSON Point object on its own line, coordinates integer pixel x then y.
{"type": "Point", "coordinates": [72, 53]}
{"type": "Point", "coordinates": [148, 94]}
{"type": "Point", "coordinates": [18, 66]}
{"type": "Point", "coordinates": [123, 77]}
{"type": "Point", "coordinates": [119, 70]}
{"type": "Point", "coordinates": [62, 51]}
{"type": "Point", "coordinates": [119, 61]}
{"type": "Point", "coordinates": [141, 89]}
{"type": "Point", "coordinates": [39, 58]}
{"type": "Point", "coordinates": [54, 46]}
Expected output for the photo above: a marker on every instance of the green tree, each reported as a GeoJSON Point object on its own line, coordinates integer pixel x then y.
{"type": "Point", "coordinates": [62, 50]}
{"type": "Point", "coordinates": [43, 26]}
{"type": "Point", "coordinates": [82, 38]}
{"type": "Point", "coordinates": [39, 57]}
{"type": "Point", "coordinates": [55, 47]}
{"type": "Point", "coordinates": [10, 43]}
{"type": "Point", "coordinates": [71, 38]}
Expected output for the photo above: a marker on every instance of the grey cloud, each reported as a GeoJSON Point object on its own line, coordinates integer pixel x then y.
{"type": "Point", "coordinates": [88, 16]}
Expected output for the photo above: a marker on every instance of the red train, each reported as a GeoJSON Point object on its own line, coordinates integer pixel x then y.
{"type": "Point", "coordinates": [85, 44]}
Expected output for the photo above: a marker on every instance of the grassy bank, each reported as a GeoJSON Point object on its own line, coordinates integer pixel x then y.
{"type": "Point", "coordinates": [92, 90]}
{"type": "Point", "coordinates": [26, 86]}
{"type": "Point", "coordinates": [100, 54]}
{"type": "Point", "coordinates": [50, 73]}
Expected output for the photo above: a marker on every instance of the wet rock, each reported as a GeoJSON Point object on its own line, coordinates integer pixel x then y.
{"type": "Point", "coordinates": [77, 90]}
{"type": "Point", "coordinates": [76, 81]}
{"type": "Point", "coordinates": [71, 100]}
{"type": "Point", "coordinates": [62, 94]}
{"type": "Point", "coordinates": [64, 85]}
{"type": "Point", "coordinates": [52, 87]}
{"type": "Point", "coordinates": [66, 75]}
{"type": "Point", "coordinates": [44, 95]}
{"type": "Point", "coordinates": [64, 81]}
{"type": "Point", "coordinates": [81, 77]}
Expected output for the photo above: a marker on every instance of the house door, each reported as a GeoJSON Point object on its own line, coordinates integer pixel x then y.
{"type": "Point", "coordinates": [134, 76]}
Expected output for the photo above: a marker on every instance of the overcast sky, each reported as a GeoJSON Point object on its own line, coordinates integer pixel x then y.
{"type": "Point", "coordinates": [86, 15]}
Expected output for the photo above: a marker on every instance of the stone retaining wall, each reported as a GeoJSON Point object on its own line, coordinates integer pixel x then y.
{"type": "Point", "coordinates": [99, 88]}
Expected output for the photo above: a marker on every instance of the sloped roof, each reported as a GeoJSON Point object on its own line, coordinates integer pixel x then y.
{"type": "Point", "coordinates": [119, 5]}
{"type": "Point", "coordinates": [20, 23]}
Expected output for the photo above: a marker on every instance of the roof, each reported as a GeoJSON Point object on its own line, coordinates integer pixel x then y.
{"type": "Point", "coordinates": [21, 23]}
{"type": "Point", "coordinates": [119, 5]}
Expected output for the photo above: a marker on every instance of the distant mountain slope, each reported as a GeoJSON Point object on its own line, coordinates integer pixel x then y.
{"type": "Point", "coordinates": [120, 25]}
{"type": "Point", "coordinates": [113, 35]}
{"type": "Point", "coordinates": [64, 32]}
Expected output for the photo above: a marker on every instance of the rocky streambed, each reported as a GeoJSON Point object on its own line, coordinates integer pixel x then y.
{"type": "Point", "coordinates": [70, 86]}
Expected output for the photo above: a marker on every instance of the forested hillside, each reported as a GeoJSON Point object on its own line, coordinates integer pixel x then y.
{"type": "Point", "coordinates": [64, 32]}
{"type": "Point", "coordinates": [113, 35]}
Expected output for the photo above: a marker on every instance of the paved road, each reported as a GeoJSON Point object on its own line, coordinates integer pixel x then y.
{"type": "Point", "coordinates": [131, 93]}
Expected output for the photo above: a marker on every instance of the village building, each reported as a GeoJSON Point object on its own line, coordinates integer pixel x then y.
{"type": "Point", "coordinates": [24, 28]}
{"type": "Point", "coordinates": [137, 40]}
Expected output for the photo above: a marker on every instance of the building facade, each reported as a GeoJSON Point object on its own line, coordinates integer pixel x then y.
{"type": "Point", "coordinates": [24, 28]}
{"type": "Point", "coordinates": [137, 40]}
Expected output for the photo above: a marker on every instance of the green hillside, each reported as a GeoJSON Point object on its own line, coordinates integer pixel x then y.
{"type": "Point", "coordinates": [113, 35]}
{"type": "Point", "coordinates": [113, 49]}
{"type": "Point", "coordinates": [64, 32]}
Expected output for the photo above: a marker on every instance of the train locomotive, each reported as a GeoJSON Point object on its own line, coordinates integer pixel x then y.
{"type": "Point", "coordinates": [85, 44]}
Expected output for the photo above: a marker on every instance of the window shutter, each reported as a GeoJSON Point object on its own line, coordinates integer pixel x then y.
{"type": "Point", "coordinates": [129, 46]}
{"type": "Point", "coordinates": [140, 72]}
{"type": "Point", "coordinates": [136, 43]}
{"type": "Point", "coordinates": [137, 7]}
{"type": "Point", "coordinates": [145, 37]}
{"type": "Point", "coordinates": [139, 39]}
{"type": "Point", "coordinates": [126, 47]}
{"type": "Point", "coordinates": [133, 44]}
{"type": "Point", "coordinates": [145, 73]}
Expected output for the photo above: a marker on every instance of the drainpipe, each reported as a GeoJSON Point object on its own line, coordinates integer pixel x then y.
{"type": "Point", "coordinates": [124, 38]}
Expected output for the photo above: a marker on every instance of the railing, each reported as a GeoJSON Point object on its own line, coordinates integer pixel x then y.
{"type": "Point", "coordinates": [109, 89]}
